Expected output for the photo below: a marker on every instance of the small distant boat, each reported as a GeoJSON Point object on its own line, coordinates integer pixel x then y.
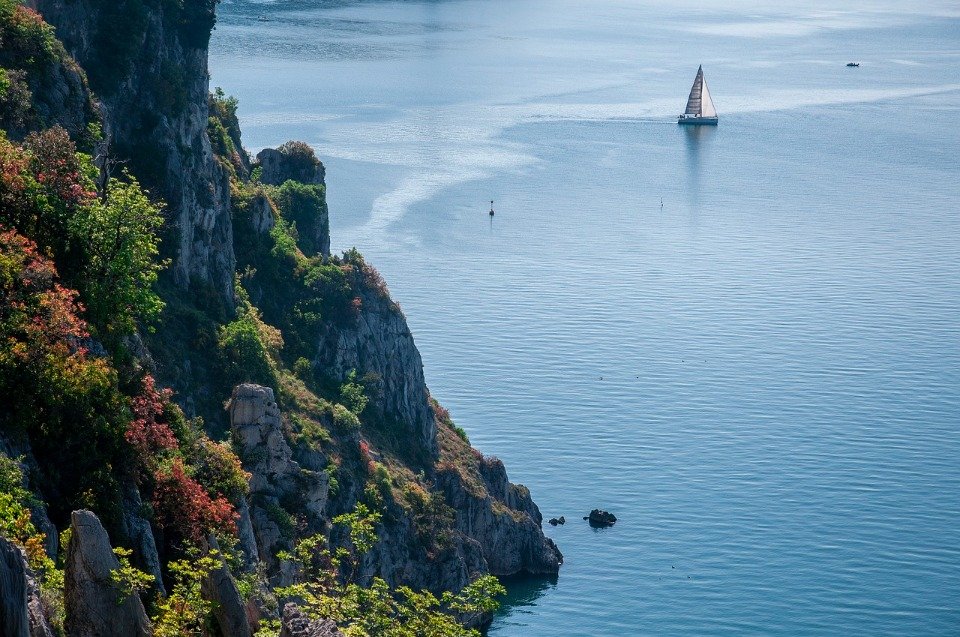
{"type": "Point", "coordinates": [853, 64]}
{"type": "Point", "coordinates": [263, 18]}
{"type": "Point", "coordinates": [700, 108]}
{"type": "Point", "coordinates": [491, 207]}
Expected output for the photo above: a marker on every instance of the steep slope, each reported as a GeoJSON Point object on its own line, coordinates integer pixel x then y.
{"type": "Point", "coordinates": [327, 409]}
{"type": "Point", "coordinates": [147, 62]}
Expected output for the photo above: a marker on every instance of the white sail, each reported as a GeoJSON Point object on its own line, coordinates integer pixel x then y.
{"type": "Point", "coordinates": [706, 101]}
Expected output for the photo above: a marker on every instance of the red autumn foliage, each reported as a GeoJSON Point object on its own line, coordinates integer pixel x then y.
{"type": "Point", "coordinates": [56, 167]}
{"type": "Point", "coordinates": [147, 433]}
{"type": "Point", "coordinates": [182, 504]}
{"type": "Point", "coordinates": [13, 165]}
{"type": "Point", "coordinates": [38, 316]}
{"type": "Point", "coordinates": [365, 456]}
{"type": "Point", "coordinates": [439, 411]}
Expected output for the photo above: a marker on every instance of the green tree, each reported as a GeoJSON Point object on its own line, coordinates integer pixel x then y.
{"type": "Point", "coordinates": [353, 394]}
{"type": "Point", "coordinates": [119, 234]}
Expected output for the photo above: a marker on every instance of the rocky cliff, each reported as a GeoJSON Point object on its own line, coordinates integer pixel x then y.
{"type": "Point", "coordinates": [21, 609]}
{"type": "Point", "coordinates": [379, 346]}
{"type": "Point", "coordinates": [147, 63]}
{"type": "Point", "coordinates": [327, 407]}
{"type": "Point", "coordinates": [94, 605]}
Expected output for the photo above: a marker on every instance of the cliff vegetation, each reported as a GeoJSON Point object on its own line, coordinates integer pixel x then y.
{"type": "Point", "coordinates": [211, 424]}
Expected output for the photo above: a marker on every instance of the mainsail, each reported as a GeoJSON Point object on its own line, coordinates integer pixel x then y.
{"type": "Point", "coordinates": [700, 104]}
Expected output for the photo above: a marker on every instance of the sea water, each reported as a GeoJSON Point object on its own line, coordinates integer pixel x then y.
{"type": "Point", "coordinates": [743, 341]}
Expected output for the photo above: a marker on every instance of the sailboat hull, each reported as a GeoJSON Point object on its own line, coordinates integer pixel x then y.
{"type": "Point", "coordinates": [698, 121]}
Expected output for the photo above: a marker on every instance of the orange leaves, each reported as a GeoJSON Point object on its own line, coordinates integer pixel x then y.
{"type": "Point", "coordinates": [181, 503]}
{"type": "Point", "coordinates": [39, 318]}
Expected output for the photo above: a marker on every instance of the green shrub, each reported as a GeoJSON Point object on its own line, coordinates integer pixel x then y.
{"type": "Point", "coordinates": [352, 394]}
{"type": "Point", "coordinates": [310, 433]}
{"type": "Point", "coordinates": [373, 608]}
{"type": "Point", "coordinates": [120, 236]}
{"type": "Point", "coordinates": [15, 96]}
{"type": "Point", "coordinates": [332, 471]}
{"type": "Point", "coordinates": [344, 419]}
{"type": "Point", "coordinates": [279, 516]}
{"type": "Point", "coordinates": [305, 206]}
{"type": "Point", "coordinates": [303, 369]}
{"type": "Point", "coordinates": [243, 353]}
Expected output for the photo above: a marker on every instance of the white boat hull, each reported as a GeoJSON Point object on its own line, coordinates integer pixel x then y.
{"type": "Point", "coordinates": [698, 121]}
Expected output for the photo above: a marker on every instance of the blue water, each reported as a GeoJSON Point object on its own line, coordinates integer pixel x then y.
{"type": "Point", "coordinates": [760, 376]}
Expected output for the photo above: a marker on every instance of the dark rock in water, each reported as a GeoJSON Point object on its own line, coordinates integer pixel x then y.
{"type": "Point", "coordinates": [562, 520]}
{"type": "Point", "coordinates": [554, 521]}
{"type": "Point", "coordinates": [599, 518]}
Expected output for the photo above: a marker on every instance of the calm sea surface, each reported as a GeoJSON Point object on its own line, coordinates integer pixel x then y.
{"type": "Point", "coordinates": [760, 375]}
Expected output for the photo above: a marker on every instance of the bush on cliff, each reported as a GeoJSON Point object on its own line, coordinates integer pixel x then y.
{"type": "Point", "coordinates": [106, 243]}
{"type": "Point", "coordinates": [119, 233]}
{"type": "Point", "coordinates": [328, 588]}
{"type": "Point", "coordinates": [67, 401]}
{"type": "Point", "coordinates": [303, 205]}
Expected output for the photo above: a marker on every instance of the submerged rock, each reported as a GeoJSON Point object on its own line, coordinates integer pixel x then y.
{"type": "Point", "coordinates": [599, 518]}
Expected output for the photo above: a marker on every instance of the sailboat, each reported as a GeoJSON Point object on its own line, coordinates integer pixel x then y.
{"type": "Point", "coordinates": [700, 108]}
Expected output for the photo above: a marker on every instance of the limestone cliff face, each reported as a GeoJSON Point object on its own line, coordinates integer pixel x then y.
{"type": "Point", "coordinates": [503, 520]}
{"type": "Point", "coordinates": [275, 476]}
{"type": "Point", "coordinates": [494, 525]}
{"type": "Point", "coordinates": [57, 87]}
{"type": "Point", "coordinates": [380, 346]}
{"type": "Point", "coordinates": [148, 65]}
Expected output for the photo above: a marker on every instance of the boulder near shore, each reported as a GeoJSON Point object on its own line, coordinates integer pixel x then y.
{"type": "Point", "coordinates": [600, 519]}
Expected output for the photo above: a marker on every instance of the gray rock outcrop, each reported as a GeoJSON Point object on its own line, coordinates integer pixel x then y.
{"type": "Point", "coordinates": [220, 588]}
{"type": "Point", "coordinates": [275, 477]}
{"type": "Point", "coordinates": [290, 162]}
{"type": "Point", "coordinates": [295, 624]}
{"type": "Point", "coordinates": [306, 207]}
{"type": "Point", "coordinates": [92, 601]}
{"type": "Point", "coordinates": [505, 522]}
{"type": "Point", "coordinates": [380, 346]}
{"type": "Point", "coordinates": [21, 611]}
{"type": "Point", "coordinates": [139, 534]}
